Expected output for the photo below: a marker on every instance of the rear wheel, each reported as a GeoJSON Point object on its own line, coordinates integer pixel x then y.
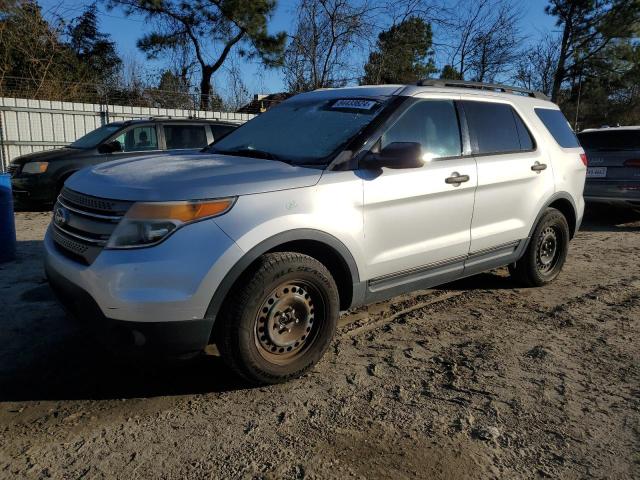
{"type": "Point", "coordinates": [280, 318]}
{"type": "Point", "coordinates": [547, 251]}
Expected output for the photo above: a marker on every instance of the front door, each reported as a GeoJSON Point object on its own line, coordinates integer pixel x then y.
{"type": "Point", "coordinates": [417, 219]}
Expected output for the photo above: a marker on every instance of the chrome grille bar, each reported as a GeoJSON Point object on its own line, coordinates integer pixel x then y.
{"type": "Point", "coordinates": [92, 241]}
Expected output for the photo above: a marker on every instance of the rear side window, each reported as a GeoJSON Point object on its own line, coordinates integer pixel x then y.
{"type": "Point", "coordinates": [220, 131]}
{"type": "Point", "coordinates": [496, 128]}
{"type": "Point", "coordinates": [558, 127]}
{"type": "Point", "coordinates": [185, 136]}
{"type": "Point", "coordinates": [611, 140]}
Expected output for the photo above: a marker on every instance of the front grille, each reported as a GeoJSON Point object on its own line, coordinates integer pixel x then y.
{"type": "Point", "coordinates": [95, 204]}
{"type": "Point", "coordinates": [82, 224]}
{"type": "Point", "coordinates": [13, 169]}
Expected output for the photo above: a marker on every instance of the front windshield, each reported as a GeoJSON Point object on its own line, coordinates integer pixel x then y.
{"type": "Point", "coordinates": [301, 132]}
{"type": "Point", "coordinates": [96, 137]}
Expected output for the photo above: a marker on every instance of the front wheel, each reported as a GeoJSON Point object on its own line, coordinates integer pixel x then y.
{"type": "Point", "coordinates": [279, 319]}
{"type": "Point", "coordinates": [546, 253]}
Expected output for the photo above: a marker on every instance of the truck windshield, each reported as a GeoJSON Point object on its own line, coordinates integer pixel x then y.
{"type": "Point", "coordinates": [95, 137]}
{"type": "Point", "coordinates": [301, 132]}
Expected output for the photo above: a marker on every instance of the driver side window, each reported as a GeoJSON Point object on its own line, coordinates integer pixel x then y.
{"type": "Point", "coordinates": [138, 139]}
{"type": "Point", "coordinates": [431, 123]}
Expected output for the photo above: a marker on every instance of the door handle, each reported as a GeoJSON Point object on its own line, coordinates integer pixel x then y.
{"type": "Point", "coordinates": [538, 167]}
{"type": "Point", "coordinates": [456, 179]}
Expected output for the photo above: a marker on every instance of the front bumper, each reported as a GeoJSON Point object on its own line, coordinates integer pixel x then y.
{"type": "Point", "coordinates": [156, 297]}
{"type": "Point", "coordinates": [163, 338]}
{"type": "Point", "coordinates": [32, 188]}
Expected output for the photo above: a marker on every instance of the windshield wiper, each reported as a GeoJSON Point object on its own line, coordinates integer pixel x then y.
{"type": "Point", "coordinates": [252, 153]}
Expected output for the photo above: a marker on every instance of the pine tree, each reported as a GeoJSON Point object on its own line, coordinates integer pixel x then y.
{"type": "Point", "coordinates": [403, 54]}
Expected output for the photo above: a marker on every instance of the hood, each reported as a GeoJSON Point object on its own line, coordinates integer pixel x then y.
{"type": "Point", "coordinates": [188, 177]}
{"type": "Point", "coordinates": [47, 155]}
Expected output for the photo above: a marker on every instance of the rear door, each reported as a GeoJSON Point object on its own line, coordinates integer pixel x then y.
{"type": "Point", "coordinates": [514, 176]}
{"type": "Point", "coordinates": [415, 221]}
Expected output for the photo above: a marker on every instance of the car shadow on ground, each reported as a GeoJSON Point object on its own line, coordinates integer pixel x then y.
{"type": "Point", "coordinates": [610, 218]}
{"type": "Point", "coordinates": [44, 355]}
{"type": "Point", "coordinates": [69, 371]}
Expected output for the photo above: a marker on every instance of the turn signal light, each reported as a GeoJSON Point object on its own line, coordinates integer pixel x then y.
{"type": "Point", "coordinates": [181, 211]}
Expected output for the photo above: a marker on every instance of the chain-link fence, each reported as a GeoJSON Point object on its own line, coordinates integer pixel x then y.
{"type": "Point", "coordinates": [37, 116]}
{"type": "Point", "coordinates": [135, 95]}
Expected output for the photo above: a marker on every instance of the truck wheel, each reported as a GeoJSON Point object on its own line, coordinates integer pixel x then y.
{"type": "Point", "coordinates": [279, 319]}
{"type": "Point", "coordinates": [546, 253]}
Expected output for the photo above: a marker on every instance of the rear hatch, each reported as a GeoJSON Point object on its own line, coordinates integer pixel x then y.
{"type": "Point", "coordinates": [614, 155]}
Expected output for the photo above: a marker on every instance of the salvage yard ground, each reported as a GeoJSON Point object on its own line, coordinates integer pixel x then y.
{"type": "Point", "coordinates": [477, 379]}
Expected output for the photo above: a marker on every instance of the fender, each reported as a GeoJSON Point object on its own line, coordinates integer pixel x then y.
{"type": "Point", "coordinates": [553, 198]}
{"type": "Point", "coordinates": [273, 242]}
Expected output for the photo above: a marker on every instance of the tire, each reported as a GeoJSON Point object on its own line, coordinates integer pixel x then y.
{"type": "Point", "coordinates": [546, 253]}
{"type": "Point", "coordinates": [279, 319]}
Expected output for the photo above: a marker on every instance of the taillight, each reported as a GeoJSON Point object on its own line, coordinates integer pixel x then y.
{"type": "Point", "coordinates": [585, 161]}
{"type": "Point", "coordinates": [635, 162]}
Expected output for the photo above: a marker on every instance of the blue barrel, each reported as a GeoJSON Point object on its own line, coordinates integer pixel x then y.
{"type": "Point", "coordinates": [7, 220]}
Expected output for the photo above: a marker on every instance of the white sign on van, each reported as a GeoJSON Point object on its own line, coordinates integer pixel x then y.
{"type": "Point", "coordinates": [355, 104]}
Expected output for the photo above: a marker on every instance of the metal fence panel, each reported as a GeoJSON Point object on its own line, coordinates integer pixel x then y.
{"type": "Point", "coordinates": [28, 126]}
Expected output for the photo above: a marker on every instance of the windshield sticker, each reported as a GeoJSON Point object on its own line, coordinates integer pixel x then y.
{"type": "Point", "coordinates": [354, 104]}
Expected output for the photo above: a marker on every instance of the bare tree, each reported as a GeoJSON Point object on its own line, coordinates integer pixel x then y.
{"type": "Point", "coordinates": [436, 12]}
{"type": "Point", "coordinates": [236, 94]}
{"type": "Point", "coordinates": [482, 38]}
{"type": "Point", "coordinates": [536, 67]}
{"type": "Point", "coordinates": [321, 50]}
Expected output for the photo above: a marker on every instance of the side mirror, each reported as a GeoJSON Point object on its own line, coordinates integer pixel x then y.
{"type": "Point", "coordinates": [395, 155]}
{"type": "Point", "coordinates": [110, 147]}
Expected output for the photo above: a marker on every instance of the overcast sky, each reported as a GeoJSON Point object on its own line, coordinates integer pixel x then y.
{"type": "Point", "coordinates": [126, 30]}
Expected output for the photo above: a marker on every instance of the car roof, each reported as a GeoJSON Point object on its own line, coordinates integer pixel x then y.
{"type": "Point", "coordinates": [611, 129]}
{"type": "Point", "coordinates": [208, 121]}
{"type": "Point", "coordinates": [457, 88]}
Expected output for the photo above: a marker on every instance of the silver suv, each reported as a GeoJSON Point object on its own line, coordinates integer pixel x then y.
{"type": "Point", "coordinates": [332, 199]}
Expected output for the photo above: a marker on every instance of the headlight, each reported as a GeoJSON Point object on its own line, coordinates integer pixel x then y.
{"type": "Point", "coordinates": [35, 167]}
{"type": "Point", "coordinates": [146, 224]}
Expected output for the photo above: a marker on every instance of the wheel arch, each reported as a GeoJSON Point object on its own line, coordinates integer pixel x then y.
{"type": "Point", "coordinates": [317, 244]}
{"type": "Point", "coordinates": [568, 209]}
{"type": "Point", "coordinates": [563, 202]}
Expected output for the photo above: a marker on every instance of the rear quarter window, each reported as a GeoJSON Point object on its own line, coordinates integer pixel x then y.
{"type": "Point", "coordinates": [558, 126]}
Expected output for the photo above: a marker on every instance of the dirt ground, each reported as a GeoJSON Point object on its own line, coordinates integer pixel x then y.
{"type": "Point", "coordinates": [477, 379]}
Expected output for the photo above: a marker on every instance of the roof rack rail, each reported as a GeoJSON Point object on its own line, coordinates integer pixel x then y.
{"type": "Point", "coordinates": [493, 87]}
